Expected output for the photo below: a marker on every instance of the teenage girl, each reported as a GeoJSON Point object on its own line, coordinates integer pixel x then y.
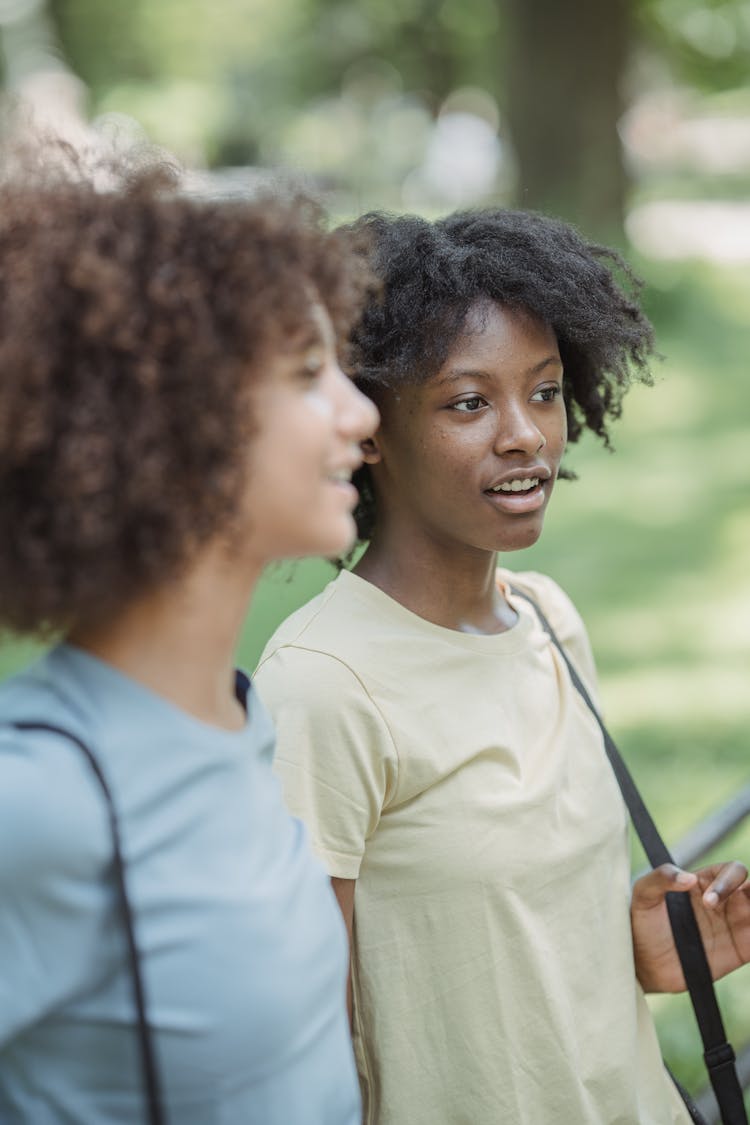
{"type": "Point", "coordinates": [454, 782]}
{"type": "Point", "coordinates": [172, 418]}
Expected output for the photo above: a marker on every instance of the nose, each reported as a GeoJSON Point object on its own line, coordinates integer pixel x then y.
{"type": "Point", "coordinates": [517, 431]}
{"type": "Point", "coordinates": [356, 415]}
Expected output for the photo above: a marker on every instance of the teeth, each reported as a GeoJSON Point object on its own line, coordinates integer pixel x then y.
{"type": "Point", "coordinates": [342, 475]}
{"type": "Point", "coordinates": [517, 485]}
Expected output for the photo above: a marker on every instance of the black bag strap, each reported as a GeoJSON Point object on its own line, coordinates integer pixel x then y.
{"type": "Point", "coordinates": [150, 1074]}
{"type": "Point", "coordinates": [718, 1054]}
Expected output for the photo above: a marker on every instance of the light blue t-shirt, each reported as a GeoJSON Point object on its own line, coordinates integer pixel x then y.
{"type": "Point", "coordinates": [244, 949]}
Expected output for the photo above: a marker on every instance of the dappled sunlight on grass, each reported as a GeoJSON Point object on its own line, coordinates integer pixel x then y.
{"type": "Point", "coordinates": [665, 407]}
{"type": "Point", "coordinates": [695, 621]}
{"type": "Point", "coordinates": [658, 480]}
{"type": "Point", "coordinates": [666, 694]}
{"type": "Point", "coordinates": [735, 541]}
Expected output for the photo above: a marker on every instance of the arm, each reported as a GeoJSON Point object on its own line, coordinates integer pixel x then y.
{"type": "Point", "coordinates": [720, 895]}
{"type": "Point", "coordinates": [335, 759]}
{"type": "Point", "coordinates": [344, 891]}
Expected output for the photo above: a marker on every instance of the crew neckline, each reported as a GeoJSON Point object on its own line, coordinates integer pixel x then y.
{"type": "Point", "coordinates": [510, 640]}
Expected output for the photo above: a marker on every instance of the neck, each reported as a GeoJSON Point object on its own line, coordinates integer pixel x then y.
{"type": "Point", "coordinates": [456, 589]}
{"type": "Point", "coordinates": [180, 641]}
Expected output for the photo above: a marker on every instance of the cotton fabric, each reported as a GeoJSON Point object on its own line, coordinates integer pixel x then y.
{"type": "Point", "coordinates": [461, 780]}
{"type": "Point", "coordinates": [244, 950]}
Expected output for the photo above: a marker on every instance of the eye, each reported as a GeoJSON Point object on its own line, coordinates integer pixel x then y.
{"type": "Point", "coordinates": [547, 394]}
{"type": "Point", "coordinates": [312, 365]}
{"type": "Point", "coordinates": [469, 405]}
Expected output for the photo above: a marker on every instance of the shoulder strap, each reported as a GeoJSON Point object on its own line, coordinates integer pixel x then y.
{"type": "Point", "coordinates": [145, 1032]}
{"type": "Point", "coordinates": [718, 1054]}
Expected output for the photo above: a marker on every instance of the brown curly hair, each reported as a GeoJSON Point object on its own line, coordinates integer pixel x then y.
{"type": "Point", "coordinates": [134, 322]}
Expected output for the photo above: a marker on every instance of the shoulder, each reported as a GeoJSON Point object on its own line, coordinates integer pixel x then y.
{"type": "Point", "coordinates": [316, 682]}
{"type": "Point", "coordinates": [311, 622]}
{"type": "Point", "coordinates": [300, 684]}
{"type": "Point", "coordinates": [53, 819]}
{"type": "Point", "coordinates": [54, 849]}
{"type": "Point", "coordinates": [551, 598]}
{"type": "Point", "coordinates": [562, 616]}
{"type": "Point", "coordinates": [316, 649]}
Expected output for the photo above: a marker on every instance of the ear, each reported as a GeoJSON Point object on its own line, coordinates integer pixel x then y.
{"type": "Point", "coordinates": [370, 451]}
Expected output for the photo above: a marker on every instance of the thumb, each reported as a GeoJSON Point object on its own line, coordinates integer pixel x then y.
{"type": "Point", "coordinates": [650, 889]}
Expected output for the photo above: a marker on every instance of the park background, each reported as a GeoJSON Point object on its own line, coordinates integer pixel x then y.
{"type": "Point", "coordinates": [630, 118]}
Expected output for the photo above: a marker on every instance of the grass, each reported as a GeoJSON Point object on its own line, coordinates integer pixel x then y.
{"type": "Point", "coordinates": [653, 544]}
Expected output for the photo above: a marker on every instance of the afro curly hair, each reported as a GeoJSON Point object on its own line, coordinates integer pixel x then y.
{"type": "Point", "coordinates": [134, 323]}
{"type": "Point", "coordinates": [432, 273]}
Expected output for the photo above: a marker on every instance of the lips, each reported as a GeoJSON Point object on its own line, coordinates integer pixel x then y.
{"type": "Point", "coordinates": [519, 492]}
{"type": "Point", "coordinates": [523, 484]}
{"type": "Point", "coordinates": [340, 476]}
{"type": "Point", "coordinates": [341, 472]}
{"type": "Point", "coordinates": [520, 480]}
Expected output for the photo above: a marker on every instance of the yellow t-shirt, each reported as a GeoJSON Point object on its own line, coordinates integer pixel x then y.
{"type": "Point", "coordinates": [462, 782]}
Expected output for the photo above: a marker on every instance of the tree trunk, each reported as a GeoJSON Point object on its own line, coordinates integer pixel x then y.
{"type": "Point", "coordinates": [565, 63]}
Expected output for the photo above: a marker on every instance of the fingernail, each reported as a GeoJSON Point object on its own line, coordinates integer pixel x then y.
{"type": "Point", "coordinates": [710, 898]}
{"type": "Point", "coordinates": [684, 877]}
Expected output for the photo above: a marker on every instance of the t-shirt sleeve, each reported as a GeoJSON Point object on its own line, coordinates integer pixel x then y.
{"type": "Point", "coordinates": [334, 753]}
{"type": "Point", "coordinates": [53, 846]}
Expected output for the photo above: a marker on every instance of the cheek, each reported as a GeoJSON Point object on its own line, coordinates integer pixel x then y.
{"type": "Point", "coordinates": [445, 469]}
{"type": "Point", "coordinates": [557, 435]}
{"type": "Point", "coordinates": [455, 447]}
{"type": "Point", "coordinates": [319, 408]}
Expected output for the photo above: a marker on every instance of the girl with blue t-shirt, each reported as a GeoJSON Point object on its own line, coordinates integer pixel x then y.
{"type": "Point", "coordinates": [172, 418]}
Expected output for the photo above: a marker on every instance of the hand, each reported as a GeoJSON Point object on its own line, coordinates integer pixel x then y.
{"type": "Point", "coordinates": [720, 895]}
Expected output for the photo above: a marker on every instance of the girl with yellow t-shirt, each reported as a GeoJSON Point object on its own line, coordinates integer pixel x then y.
{"type": "Point", "coordinates": [453, 781]}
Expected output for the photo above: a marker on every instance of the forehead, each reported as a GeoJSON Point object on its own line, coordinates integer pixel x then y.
{"type": "Point", "coordinates": [496, 342]}
{"type": "Point", "coordinates": [315, 330]}
{"type": "Point", "coordinates": [321, 321]}
{"type": "Point", "coordinates": [500, 331]}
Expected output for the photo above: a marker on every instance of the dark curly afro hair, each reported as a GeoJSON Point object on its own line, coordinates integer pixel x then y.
{"type": "Point", "coordinates": [434, 272]}
{"type": "Point", "coordinates": [134, 322]}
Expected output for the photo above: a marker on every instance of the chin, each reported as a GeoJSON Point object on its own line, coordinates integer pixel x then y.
{"type": "Point", "coordinates": [338, 540]}
{"type": "Point", "coordinates": [525, 537]}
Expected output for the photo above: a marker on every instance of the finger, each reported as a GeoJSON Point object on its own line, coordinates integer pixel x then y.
{"type": "Point", "coordinates": [650, 889]}
{"type": "Point", "coordinates": [730, 878]}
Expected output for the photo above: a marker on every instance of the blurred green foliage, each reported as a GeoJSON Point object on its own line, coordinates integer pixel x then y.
{"type": "Point", "coordinates": [705, 43]}
{"type": "Point", "coordinates": [285, 53]}
{"type": "Point", "coordinates": [348, 90]}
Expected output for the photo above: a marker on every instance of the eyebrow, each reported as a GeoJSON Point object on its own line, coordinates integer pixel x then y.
{"type": "Point", "coordinates": [307, 337]}
{"type": "Point", "coordinates": [477, 373]}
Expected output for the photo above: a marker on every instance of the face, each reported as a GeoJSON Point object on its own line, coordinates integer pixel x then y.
{"type": "Point", "coordinates": [310, 420]}
{"type": "Point", "coordinates": [468, 459]}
